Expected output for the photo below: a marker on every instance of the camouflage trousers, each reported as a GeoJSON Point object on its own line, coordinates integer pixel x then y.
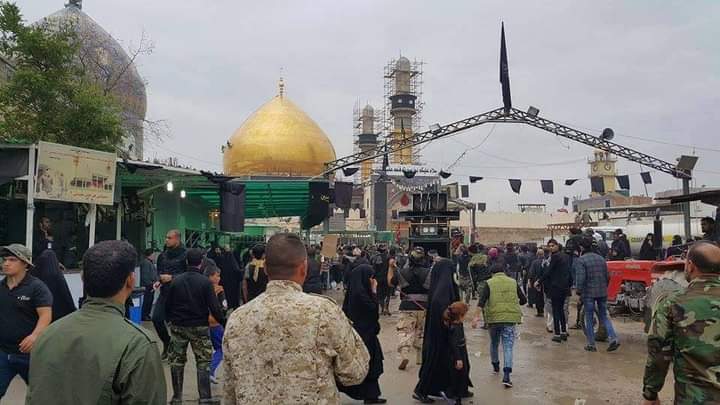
{"type": "Point", "coordinates": [466, 288]}
{"type": "Point", "coordinates": [410, 329]}
{"type": "Point", "coordinates": [198, 337]}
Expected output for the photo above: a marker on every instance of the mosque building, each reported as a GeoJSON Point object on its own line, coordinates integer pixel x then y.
{"type": "Point", "coordinates": [278, 140]}
{"type": "Point", "coordinates": [110, 66]}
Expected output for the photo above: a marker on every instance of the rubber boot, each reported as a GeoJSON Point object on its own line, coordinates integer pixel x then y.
{"type": "Point", "coordinates": [176, 377]}
{"type": "Point", "coordinates": [506, 377]}
{"type": "Point", "coordinates": [203, 383]}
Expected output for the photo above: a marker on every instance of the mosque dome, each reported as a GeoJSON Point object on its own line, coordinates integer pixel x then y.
{"type": "Point", "coordinates": [368, 110]}
{"type": "Point", "coordinates": [109, 65]}
{"type": "Point", "coordinates": [279, 139]}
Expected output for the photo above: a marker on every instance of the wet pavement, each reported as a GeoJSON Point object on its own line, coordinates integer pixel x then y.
{"type": "Point", "coordinates": [544, 372]}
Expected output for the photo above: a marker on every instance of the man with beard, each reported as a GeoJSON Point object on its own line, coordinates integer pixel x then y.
{"type": "Point", "coordinates": [171, 263]}
{"type": "Point", "coordinates": [684, 332]}
{"type": "Point", "coordinates": [709, 230]}
{"type": "Point", "coordinates": [414, 283]}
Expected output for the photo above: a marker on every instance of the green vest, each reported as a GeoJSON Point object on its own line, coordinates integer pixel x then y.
{"type": "Point", "coordinates": [503, 306]}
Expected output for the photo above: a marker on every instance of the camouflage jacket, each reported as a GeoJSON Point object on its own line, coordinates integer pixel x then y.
{"type": "Point", "coordinates": [288, 347]}
{"type": "Point", "coordinates": [686, 330]}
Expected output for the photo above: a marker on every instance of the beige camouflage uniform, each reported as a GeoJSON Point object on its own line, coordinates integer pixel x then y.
{"type": "Point", "coordinates": [288, 347]}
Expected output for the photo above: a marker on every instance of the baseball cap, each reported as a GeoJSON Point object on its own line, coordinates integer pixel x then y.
{"type": "Point", "coordinates": [17, 250]}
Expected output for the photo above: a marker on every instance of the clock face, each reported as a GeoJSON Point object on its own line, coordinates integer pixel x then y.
{"type": "Point", "coordinates": [608, 166]}
{"type": "Point", "coordinates": [594, 168]}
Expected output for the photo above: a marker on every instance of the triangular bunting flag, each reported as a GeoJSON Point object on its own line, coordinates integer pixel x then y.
{"type": "Point", "coordinates": [473, 179]}
{"type": "Point", "coordinates": [623, 182]}
{"type": "Point", "coordinates": [444, 174]}
{"type": "Point", "coordinates": [646, 177]}
{"type": "Point", "coordinates": [547, 186]}
{"type": "Point", "coordinates": [570, 182]}
{"type": "Point", "coordinates": [515, 185]}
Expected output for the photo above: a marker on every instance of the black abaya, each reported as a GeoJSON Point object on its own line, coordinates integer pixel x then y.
{"type": "Point", "coordinates": [435, 371]}
{"type": "Point", "coordinates": [230, 276]}
{"type": "Point", "coordinates": [361, 306]}
{"type": "Point", "coordinates": [47, 269]}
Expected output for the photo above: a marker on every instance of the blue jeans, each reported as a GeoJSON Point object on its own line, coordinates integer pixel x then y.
{"type": "Point", "coordinates": [216, 337]}
{"type": "Point", "coordinates": [507, 335]}
{"type": "Point", "coordinates": [589, 304]}
{"type": "Point", "coordinates": [10, 366]}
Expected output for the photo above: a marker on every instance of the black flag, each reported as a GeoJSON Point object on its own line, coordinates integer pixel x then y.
{"type": "Point", "coordinates": [597, 185]}
{"type": "Point", "coordinates": [349, 171]}
{"type": "Point", "coordinates": [504, 71]}
{"type": "Point", "coordinates": [566, 201]}
{"type": "Point", "coordinates": [445, 175]}
{"type": "Point", "coordinates": [646, 177]}
{"type": "Point", "coordinates": [623, 182]}
{"type": "Point", "coordinates": [515, 185]}
{"type": "Point", "coordinates": [464, 191]}
{"type": "Point", "coordinates": [570, 182]}
{"type": "Point", "coordinates": [473, 179]}
{"type": "Point", "coordinates": [547, 186]}
{"type": "Point", "coordinates": [232, 207]}
{"type": "Point", "coordinates": [409, 173]}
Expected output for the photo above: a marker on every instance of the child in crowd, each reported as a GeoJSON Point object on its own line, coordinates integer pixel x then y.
{"type": "Point", "coordinates": [460, 379]}
{"type": "Point", "coordinates": [216, 329]}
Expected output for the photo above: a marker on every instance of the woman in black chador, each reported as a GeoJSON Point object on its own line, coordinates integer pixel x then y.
{"type": "Point", "coordinates": [361, 306]}
{"type": "Point", "coordinates": [435, 370]}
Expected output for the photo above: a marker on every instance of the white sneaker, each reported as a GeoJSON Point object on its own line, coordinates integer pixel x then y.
{"type": "Point", "coordinates": [214, 380]}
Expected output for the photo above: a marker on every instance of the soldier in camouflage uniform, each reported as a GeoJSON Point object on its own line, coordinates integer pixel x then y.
{"type": "Point", "coordinates": [190, 301]}
{"type": "Point", "coordinates": [685, 330]}
{"type": "Point", "coordinates": [286, 346]}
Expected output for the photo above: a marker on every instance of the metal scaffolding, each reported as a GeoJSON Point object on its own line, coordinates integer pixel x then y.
{"type": "Point", "coordinates": [389, 89]}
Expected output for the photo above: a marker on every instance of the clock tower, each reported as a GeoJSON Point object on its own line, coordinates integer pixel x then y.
{"type": "Point", "coordinates": [603, 165]}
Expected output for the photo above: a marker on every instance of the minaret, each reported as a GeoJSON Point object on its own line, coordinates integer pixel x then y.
{"type": "Point", "coordinates": [367, 139]}
{"type": "Point", "coordinates": [603, 165]}
{"type": "Point", "coordinates": [402, 109]}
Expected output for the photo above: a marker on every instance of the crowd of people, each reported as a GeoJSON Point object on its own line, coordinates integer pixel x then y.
{"type": "Point", "coordinates": [263, 317]}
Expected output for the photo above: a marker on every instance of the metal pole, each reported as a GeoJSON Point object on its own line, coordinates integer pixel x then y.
{"type": "Point", "coordinates": [686, 209]}
{"type": "Point", "coordinates": [30, 211]}
{"type": "Point", "coordinates": [472, 227]}
{"type": "Point", "coordinates": [118, 221]}
{"type": "Point", "coordinates": [93, 220]}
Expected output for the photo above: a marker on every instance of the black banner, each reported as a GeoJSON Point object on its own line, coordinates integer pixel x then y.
{"type": "Point", "coordinates": [547, 186]}
{"type": "Point", "coordinates": [597, 185]}
{"type": "Point", "coordinates": [623, 182]}
{"type": "Point", "coordinates": [232, 207]}
{"type": "Point", "coordinates": [504, 71]}
{"type": "Point", "coordinates": [515, 185]}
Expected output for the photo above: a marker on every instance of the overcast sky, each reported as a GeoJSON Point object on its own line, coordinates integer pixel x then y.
{"type": "Point", "coordinates": [645, 68]}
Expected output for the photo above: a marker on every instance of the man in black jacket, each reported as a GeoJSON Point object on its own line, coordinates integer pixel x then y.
{"type": "Point", "coordinates": [556, 281]}
{"type": "Point", "coordinates": [190, 300]}
{"type": "Point", "coordinates": [171, 263]}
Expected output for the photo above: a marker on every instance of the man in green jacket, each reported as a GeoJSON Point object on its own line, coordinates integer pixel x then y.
{"type": "Point", "coordinates": [96, 355]}
{"type": "Point", "coordinates": [501, 301]}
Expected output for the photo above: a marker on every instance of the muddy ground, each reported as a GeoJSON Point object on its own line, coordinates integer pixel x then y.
{"type": "Point", "coordinates": [544, 372]}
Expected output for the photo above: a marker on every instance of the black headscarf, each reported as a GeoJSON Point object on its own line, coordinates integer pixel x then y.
{"type": "Point", "coordinates": [435, 370]}
{"type": "Point", "coordinates": [47, 269]}
{"type": "Point", "coordinates": [360, 303]}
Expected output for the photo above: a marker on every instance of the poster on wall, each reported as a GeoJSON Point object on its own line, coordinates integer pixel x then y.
{"type": "Point", "coordinates": [72, 174]}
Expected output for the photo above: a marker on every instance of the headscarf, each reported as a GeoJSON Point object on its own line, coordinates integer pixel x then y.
{"type": "Point", "coordinates": [47, 269]}
{"type": "Point", "coordinates": [360, 303]}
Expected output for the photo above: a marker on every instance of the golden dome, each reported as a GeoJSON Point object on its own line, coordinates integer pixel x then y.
{"type": "Point", "coordinates": [278, 139]}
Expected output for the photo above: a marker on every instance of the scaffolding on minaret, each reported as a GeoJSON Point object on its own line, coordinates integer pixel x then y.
{"type": "Point", "coordinates": [402, 112]}
{"type": "Point", "coordinates": [366, 127]}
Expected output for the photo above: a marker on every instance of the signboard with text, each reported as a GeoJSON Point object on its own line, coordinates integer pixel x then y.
{"type": "Point", "coordinates": [73, 174]}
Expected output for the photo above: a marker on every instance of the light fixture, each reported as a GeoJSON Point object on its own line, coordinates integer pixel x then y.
{"type": "Point", "coordinates": [170, 186]}
{"type": "Point", "coordinates": [435, 128]}
{"type": "Point", "coordinates": [533, 111]}
{"type": "Point", "coordinates": [183, 194]}
{"type": "Point", "coordinates": [607, 134]}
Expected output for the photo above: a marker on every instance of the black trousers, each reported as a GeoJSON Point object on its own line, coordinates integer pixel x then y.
{"type": "Point", "coordinates": [147, 301]}
{"type": "Point", "coordinates": [158, 320]}
{"type": "Point", "coordinates": [557, 299]}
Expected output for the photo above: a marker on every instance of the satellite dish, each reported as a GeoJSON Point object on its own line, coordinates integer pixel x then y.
{"type": "Point", "coordinates": [607, 134]}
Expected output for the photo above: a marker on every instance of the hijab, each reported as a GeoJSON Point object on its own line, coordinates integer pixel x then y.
{"type": "Point", "coordinates": [360, 303]}
{"type": "Point", "coordinates": [47, 269]}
